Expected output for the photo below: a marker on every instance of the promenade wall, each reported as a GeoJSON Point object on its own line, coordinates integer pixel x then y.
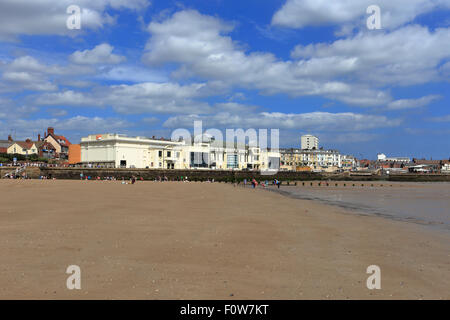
{"type": "Point", "coordinates": [219, 175]}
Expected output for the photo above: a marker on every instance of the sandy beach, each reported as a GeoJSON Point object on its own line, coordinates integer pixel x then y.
{"type": "Point", "coordinates": [176, 240]}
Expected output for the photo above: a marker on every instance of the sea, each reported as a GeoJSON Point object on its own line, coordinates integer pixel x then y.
{"type": "Point", "coordinates": [422, 203]}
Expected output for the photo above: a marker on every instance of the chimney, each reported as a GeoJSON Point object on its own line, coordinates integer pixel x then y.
{"type": "Point", "coordinates": [39, 137]}
{"type": "Point", "coordinates": [50, 130]}
{"type": "Point", "coordinates": [10, 138]}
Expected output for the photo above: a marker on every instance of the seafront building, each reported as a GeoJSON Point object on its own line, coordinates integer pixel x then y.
{"type": "Point", "coordinates": [383, 158]}
{"type": "Point", "coordinates": [310, 160]}
{"type": "Point", "coordinates": [121, 151]}
{"type": "Point", "coordinates": [309, 142]}
{"type": "Point", "coordinates": [51, 146]}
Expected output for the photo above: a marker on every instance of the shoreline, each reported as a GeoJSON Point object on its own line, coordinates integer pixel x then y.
{"type": "Point", "coordinates": [359, 209]}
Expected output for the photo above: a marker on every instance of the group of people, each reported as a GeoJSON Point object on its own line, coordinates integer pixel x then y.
{"type": "Point", "coordinates": [109, 178]}
{"type": "Point", "coordinates": [264, 184]}
{"type": "Point", "coordinates": [254, 183]}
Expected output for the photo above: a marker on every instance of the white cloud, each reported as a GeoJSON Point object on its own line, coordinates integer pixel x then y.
{"type": "Point", "coordinates": [200, 45]}
{"type": "Point", "coordinates": [349, 13]}
{"type": "Point", "coordinates": [412, 103]}
{"type": "Point", "coordinates": [48, 17]}
{"type": "Point", "coordinates": [150, 121]}
{"type": "Point", "coordinates": [407, 56]}
{"type": "Point", "coordinates": [354, 70]}
{"type": "Point", "coordinates": [32, 65]}
{"type": "Point", "coordinates": [146, 97]}
{"type": "Point", "coordinates": [66, 98]}
{"type": "Point", "coordinates": [19, 81]}
{"type": "Point", "coordinates": [57, 112]}
{"type": "Point", "coordinates": [445, 118]}
{"type": "Point", "coordinates": [101, 54]}
{"type": "Point", "coordinates": [318, 121]}
{"type": "Point", "coordinates": [27, 73]}
{"type": "Point", "coordinates": [133, 74]}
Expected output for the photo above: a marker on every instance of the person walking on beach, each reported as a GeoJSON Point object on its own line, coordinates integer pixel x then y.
{"type": "Point", "coordinates": [245, 182]}
{"type": "Point", "coordinates": [278, 184]}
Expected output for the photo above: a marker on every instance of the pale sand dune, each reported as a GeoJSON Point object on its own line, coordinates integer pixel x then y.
{"type": "Point", "coordinates": [205, 241]}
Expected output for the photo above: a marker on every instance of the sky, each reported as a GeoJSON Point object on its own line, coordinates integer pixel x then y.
{"type": "Point", "coordinates": [147, 68]}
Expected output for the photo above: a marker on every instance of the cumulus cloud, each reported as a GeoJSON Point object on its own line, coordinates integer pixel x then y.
{"type": "Point", "coordinates": [132, 73]}
{"type": "Point", "coordinates": [48, 17]}
{"type": "Point", "coordinates": [403, 104]}
{"type": "Point", "coordinates": [355, 70]}
{"type": "Point", "coordinates": [444, 118]}
{"type": "Point", "coordinates": [303, 13]}
{"type": "Point", "coordinates": [27, 73]}
{"type": "Point", "coordinates": [146, 97]}
{"type": "Point", "coordinates": [18, 81]}
{"type": "Point", "coordinates": [317, 121]}
{"type": "Point", "coordinates": [32, 65]}
{"type": "Point", "coordinates": [101, 54]}
{"type": "Point", "coordinates": [200, 44]}
{"type": "Point", "coordinates": [407, 56]}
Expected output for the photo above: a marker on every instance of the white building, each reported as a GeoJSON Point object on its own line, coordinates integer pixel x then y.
{"type": "Point", "coordinates": [317, 160]}
{"type": "Point", "coordinates": [309, 142]}
{"type": "Point", "coordinates": [119, 151]}
{"type": "Point", "coordinates": [383, 157]}
{"type": "Point", "coordinates": [445, 167]}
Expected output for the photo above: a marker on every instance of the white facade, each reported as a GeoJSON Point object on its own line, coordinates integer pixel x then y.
{"type": "Point", "coordinates": [309, 142]}
{"type": "Point", "coordinates": [291, 159]}
{"type": "Point", "coordinates": [383, 157]}
{"type": "Point", "coordinates": [119, 151]}
{"type": "Point", "coordinates": [113, 150]}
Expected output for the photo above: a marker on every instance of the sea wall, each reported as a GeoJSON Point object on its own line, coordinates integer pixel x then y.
{"type": "Point", "coordinates": [219, 175]}
{"type": "Point", "coordinates": [225, 175]}
{"type": "Point", "coordinates": [152, 174]}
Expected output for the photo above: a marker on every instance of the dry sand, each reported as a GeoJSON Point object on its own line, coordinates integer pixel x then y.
{"type": "Point", "coordinates": [205, 241]}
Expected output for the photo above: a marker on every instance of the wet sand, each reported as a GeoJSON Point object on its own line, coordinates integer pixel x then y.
{"type": "Point", "coordinates": [205, 241]}
{"type": "Point", "coordinates": [422, 203]}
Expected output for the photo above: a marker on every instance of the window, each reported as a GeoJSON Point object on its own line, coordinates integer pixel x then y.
{"type": "Point", "coordinates": [160, 154]}
{"type": "Point", "coordinates": [169, 154]}
{"type": "Point", "coordinates": [199, 160]}
{"type": "Point", "coordinates": [232, 161]}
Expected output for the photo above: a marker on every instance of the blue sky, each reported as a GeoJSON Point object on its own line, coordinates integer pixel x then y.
{"type": "Point", "coordinates": [143, 67]}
